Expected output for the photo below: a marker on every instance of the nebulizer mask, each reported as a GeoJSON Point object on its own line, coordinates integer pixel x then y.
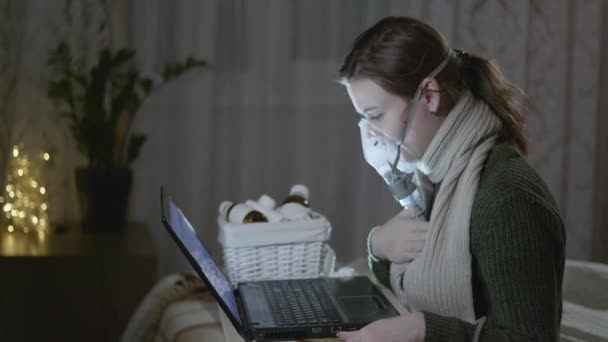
{"type": "Point", "coordinates": [384, 153]}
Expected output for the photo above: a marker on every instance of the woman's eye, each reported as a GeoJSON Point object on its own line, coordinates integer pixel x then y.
{"type": "Point", "coordinates": [376, 116]}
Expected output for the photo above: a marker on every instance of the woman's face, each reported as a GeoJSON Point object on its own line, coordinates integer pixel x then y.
{"type": "Point", "coordinates": [388, 113]}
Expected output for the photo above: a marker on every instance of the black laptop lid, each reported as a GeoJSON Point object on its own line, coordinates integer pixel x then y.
{"type": "Point", "coordinates": [184, 235]}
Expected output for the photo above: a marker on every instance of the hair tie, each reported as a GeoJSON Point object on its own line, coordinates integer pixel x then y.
{"type": "Point", "coordinates": [460, 53]}
{"type": "Point", "coordinates": [462, 56]}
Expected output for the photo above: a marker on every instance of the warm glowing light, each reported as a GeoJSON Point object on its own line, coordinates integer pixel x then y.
{"type": "Point", "coordinates": [10, 229]}
{"type": "Point", "coordinates": [23, 203]}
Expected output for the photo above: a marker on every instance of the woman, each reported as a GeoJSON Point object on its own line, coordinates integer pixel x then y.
{"type": "Point", "coordinates": [478, 251]}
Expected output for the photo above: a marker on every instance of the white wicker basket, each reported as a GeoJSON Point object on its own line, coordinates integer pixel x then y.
{"type": "Point", "coordinates": [282, 250]}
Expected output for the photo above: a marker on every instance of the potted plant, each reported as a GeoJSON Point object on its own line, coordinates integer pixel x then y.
{"type": "Point", "coordinates": [99, 105]}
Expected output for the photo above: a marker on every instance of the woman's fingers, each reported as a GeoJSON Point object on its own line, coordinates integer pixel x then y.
{"type": "Point", "coordinates": [409, 250]}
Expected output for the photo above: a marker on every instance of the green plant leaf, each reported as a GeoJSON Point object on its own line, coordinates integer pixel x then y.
{"type": "Point", "coordinates": [59, 57]}
{"type": "Point", "coordinates": [146, 85]}
{"type": "Point", "coordinates": [173, 71]}
{"type": "Point", "coordinates": [96, 91]}
{"type": "Point", "coordinates": [59, 90]}
{"type": "Point", "coordinates": [122, 56]}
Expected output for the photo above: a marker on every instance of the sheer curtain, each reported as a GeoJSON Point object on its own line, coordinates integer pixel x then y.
{"type": "Point", "coordinates": [269, 114]}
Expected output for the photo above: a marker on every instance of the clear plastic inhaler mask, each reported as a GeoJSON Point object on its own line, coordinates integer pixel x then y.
{"type": "Point", "coordinates": [383, 153]}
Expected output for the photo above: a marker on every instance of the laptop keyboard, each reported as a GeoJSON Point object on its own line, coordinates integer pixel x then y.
{"type": "Point", "coordinates": [300, 302]}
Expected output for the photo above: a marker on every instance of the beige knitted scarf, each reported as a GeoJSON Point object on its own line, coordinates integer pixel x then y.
{"type": "Point", "coordinates": [439, 280]}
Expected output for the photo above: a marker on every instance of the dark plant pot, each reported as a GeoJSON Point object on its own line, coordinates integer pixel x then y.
{"type": "Point", "coordinates": [104, 196]}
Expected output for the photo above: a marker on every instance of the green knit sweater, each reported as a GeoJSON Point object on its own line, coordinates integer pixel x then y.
{"type": "Point", "coordinates": [517, 243]}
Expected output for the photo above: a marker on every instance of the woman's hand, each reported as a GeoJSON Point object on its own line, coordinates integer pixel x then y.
{"type": "Point", "coordinates": [409, 328]}
{"type": "Point", "coordinates": [400, 239]}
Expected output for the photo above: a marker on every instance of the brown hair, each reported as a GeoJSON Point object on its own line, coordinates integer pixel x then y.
{"type": "Point", "coordinates": [399, 52]}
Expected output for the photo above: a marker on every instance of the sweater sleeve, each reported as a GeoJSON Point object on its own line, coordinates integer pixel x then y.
{"type": "Point", "coordinates": [519, 253]}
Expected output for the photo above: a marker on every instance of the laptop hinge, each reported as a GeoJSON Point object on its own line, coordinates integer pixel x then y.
{"type": "Point", "coordinates": [247, 331]}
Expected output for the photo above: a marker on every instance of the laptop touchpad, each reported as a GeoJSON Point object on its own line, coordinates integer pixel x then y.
{"type": "Point", "coordinates": [362, 308]}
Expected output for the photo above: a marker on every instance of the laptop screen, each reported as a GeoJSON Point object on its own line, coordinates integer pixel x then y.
{"type": "Point", "coordinates": [186, 234]}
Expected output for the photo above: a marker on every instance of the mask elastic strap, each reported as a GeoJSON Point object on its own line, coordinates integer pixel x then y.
{"type": "Point", "coordinates": [412, 111]}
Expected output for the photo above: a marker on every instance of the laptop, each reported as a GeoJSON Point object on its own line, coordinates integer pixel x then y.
{"type": "Point", "coordinates": [277, 310]}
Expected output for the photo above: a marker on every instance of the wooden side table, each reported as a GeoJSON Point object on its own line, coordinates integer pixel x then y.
{"type": "Point", "coordinates": [71, 285]}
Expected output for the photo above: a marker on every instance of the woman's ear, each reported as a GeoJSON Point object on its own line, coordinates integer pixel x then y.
{"type": "Point", "coordinates": [431, 94]}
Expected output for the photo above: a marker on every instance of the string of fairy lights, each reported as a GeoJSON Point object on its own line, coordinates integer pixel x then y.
{"type": "Point", "coordinates": [24, 200]}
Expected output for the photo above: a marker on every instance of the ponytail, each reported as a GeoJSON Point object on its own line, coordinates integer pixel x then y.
{"type": "Point", "coordinates": [486, 82]}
